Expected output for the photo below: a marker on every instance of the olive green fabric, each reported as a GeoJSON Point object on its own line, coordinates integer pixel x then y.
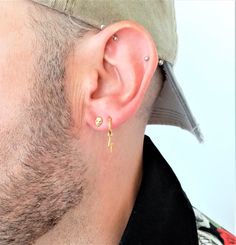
{"type": "Point", "coordinates": [158, 17]}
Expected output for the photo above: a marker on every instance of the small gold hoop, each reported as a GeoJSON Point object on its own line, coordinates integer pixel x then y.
{"type": "Point", "coordinates": [110, 135]}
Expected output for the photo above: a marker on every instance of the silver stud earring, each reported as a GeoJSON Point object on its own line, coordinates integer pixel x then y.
{"type": "Point", "coordinates": [161, 62]}
{"type": "Point", "coordinates": [102, 27]}
{"type": "Point", "coordinates": [146, 58]}
{"type": "Point", "coordinates": [115, 38]}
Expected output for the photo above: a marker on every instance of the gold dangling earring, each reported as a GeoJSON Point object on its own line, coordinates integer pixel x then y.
{"type": "Point", "coordinates": [110, 134]}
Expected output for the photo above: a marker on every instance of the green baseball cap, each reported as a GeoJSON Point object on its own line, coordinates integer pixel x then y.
{"type": "Point", "coordinates": [158, 17]}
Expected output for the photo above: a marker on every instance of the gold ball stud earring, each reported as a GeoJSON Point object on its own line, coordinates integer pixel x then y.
{"type": "Point", "coordinates": [98, 121]}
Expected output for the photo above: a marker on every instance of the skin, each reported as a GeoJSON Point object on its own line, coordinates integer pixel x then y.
{"type": "Point", "coordinates": [59, 183]}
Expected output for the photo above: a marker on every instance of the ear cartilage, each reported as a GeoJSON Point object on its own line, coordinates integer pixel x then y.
{"type": "Point", "coordinates": [146, 58]}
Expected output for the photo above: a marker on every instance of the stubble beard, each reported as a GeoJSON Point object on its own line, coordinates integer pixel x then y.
{"type": "Point", "coordinates": [50, 172]}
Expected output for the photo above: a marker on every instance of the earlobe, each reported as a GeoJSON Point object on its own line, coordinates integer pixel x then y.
{"type": "Point", "coordinates": [129, 60]}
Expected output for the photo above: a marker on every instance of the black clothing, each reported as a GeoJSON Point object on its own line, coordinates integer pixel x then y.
{"type": "Point", "coordinates": [162, 214]}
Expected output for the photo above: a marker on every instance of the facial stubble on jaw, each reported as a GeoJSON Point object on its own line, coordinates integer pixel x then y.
{"type": "Point", "coordinates": [50, 180]}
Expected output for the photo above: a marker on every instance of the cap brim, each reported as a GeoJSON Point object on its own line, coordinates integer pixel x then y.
{"type": "Point", "coordinates": [171, 108]}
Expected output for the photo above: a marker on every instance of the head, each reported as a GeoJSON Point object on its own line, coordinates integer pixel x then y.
{"type": "Point", "coordinates": [57, 75]}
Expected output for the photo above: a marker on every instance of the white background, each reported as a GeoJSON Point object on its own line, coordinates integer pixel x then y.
{"type": "Point", "coordinates": [205, 69]}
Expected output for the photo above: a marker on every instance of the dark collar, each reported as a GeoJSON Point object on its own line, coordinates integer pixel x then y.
{"type": "Point", "coordinates": [162, 214]}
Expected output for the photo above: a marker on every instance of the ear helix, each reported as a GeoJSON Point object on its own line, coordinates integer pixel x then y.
{"type": "Point", "coordinates": [115, 38]}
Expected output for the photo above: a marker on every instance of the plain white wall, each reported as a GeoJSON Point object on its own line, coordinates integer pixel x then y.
{"type": "Point", "coordinates": [205, 69]}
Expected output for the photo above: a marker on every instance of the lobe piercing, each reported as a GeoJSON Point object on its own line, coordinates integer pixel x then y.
{"type": "Point", "coordinates": [110, 134]}
{"type": "Point", "coordinates": [146, 58]}
{"type": "Point", "coordinates": [98, 121]}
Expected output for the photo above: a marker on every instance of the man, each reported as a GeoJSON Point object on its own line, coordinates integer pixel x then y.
{"type": "Point", "coordinates": [79, 81]}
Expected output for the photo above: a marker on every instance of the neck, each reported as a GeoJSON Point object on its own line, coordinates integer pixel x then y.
{"type": "Point", "coordinates": [104, 211]}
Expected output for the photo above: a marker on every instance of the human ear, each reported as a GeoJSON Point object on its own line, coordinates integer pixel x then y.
{"type": "Point", "coordinates": [118, 64]}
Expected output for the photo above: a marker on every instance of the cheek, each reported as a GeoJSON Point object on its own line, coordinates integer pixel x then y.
{"type": "Point", "coordinates": [15, 82]}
